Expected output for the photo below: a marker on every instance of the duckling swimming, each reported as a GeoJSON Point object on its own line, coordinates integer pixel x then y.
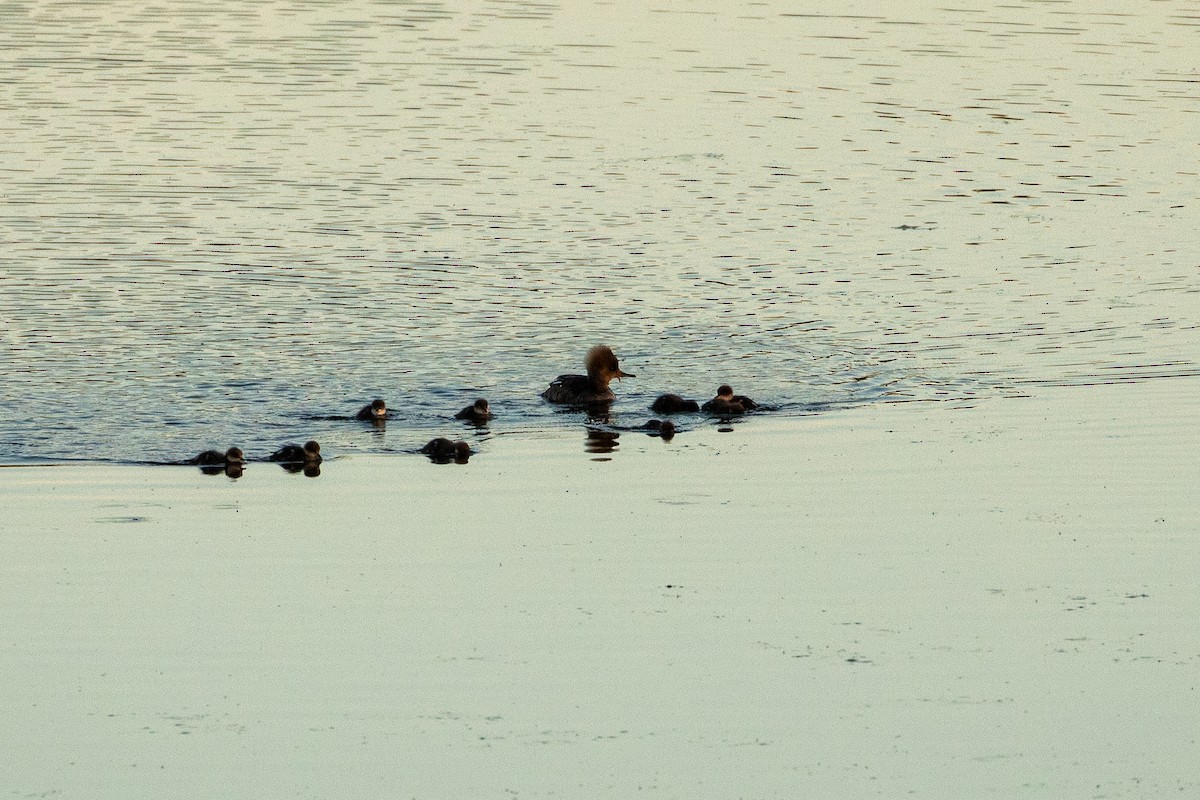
{"type": "Point", "coordinates": [746, 402]}
{"type": "Point", "coordinates": [309, 454]}
{"type": "Point", "coordinates": [592, 388]}
{"type": "Point", "coordinates": [443, 451]}
{"type": "Point", "coordinates": [215, 458]}
{"type": "Point", "coordinates": [375, 411]}
{"type": "Point", "coordinates": [664, 428]}
{"type": "Point", "coordinates": [674, 404]}
{"type": "Point", "coordinates": [726, 403]}
{"type": "Point", "coordinates": [476, 412]}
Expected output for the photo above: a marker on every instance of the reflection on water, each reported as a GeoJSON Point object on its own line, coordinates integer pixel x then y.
{"type": "Point", "coordinates": [232, 471]}
{"type": "Point", "coordinates": [307, 470]}
{"type": "Point", "coordinates": [221, 221]}
{"type": "Point", "coordinates": [600, 442]}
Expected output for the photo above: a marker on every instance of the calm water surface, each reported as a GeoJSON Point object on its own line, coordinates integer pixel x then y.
{"type": "Point", "coordinates": [220, 221]}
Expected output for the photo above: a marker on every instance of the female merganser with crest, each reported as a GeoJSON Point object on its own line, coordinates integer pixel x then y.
{"type": "Point", "coordinates": [590, 389]}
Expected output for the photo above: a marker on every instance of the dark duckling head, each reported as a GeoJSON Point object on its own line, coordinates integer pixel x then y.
{"type": "Point", "coordinates": [727, 404]}
{"type": "Point", "coordinates": [674, 404]}
{"type": "Point", "coordinates": [375, 411]}
{"type": "Point", "coordinates": [725, 392]}
{"type": "Point", "coordinates": [602, 368]}
{"type": "Point", "coordinates": [479, 411]}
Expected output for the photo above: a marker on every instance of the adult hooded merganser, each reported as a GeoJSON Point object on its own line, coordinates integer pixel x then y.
{"type": "Point", "coordinates": [310, 453]}
{"type": "Point", "coordinates": [592, 388]}
{"type": "Point", "coordinates": [375, 411]}
{"type": "Point", "coordinates": [674, 404]}
{"type": "Point", "coordinates": [476, 412]}
{"type": "Point", "coordinates": [726, 403]}
{"type": "Point", "coordinates": [442, 451]}
{"type": "Point", "coordinates": [215, 458]}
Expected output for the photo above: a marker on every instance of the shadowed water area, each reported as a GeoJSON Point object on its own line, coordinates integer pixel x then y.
{"type": "Point", "coordinates": [222, 221]}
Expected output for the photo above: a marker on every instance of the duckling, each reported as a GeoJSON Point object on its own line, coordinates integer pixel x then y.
{"type": "Point", "coordinates": [309, 454]}
{"type": "Point", "coordinates": [442, 451]}
{"type": "Point", "coordinates": [674, 404]}
{"type": "Point", "coordinates": [215, 458]}
{"type": "Point", "coordinates": [726, 403]}
{"type": "Point", "coordinates": [592, 388]}
{"type": "Point", "coordinates": [375, 411]}
{"type": "Point", "coordinates": [663, 427]}
{"type": "Point", "coordinates": [476, 412]}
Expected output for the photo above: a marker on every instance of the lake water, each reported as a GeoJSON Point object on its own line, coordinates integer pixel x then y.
{"type": "Point", "coordinates": [222, 220]}
{"type": "Point", "coordinates": [904, 600]}
{"type": "Point", "coordinates": [954, 245]}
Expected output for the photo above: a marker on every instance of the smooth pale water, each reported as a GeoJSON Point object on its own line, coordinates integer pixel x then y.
{"type": "Point", "coordinates": [221, 220]}
{"type": "Point", "coordinates": [908, 600]}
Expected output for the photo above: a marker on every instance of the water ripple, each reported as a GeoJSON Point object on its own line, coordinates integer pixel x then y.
{"type": "Point", "coordinates": [226, 224]}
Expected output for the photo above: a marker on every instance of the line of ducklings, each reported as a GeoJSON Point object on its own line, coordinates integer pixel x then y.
{"type": "Point", "coordinates": [304, 458]}
{"type": "Point", "coordinates": [588, 391]}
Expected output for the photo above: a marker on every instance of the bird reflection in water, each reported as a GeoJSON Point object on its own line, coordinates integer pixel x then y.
{"type": "Point", "coordinates": [229, 470]}
{"type": "Point", "coordinates": [598, 415]}
{"type": "Point", "coordinates": [663, 428]}
{"type": "Point", "coordinates": [600, 442]}
{"type": "Point", "coordinates": [233, 471]}
{"type": "Point", "coordinates": [308, 470]}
